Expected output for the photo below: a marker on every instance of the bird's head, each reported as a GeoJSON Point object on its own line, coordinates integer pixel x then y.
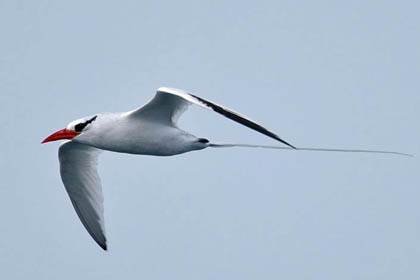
{"type": "Point", "coordinates": [75, 128]}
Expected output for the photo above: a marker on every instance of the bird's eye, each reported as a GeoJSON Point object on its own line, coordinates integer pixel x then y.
{"type": "Point", "coordinates": [80, 126]}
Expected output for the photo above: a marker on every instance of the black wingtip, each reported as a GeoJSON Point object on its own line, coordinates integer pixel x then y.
{"type": "Point", "coordinates": [291, 146]}
{"type": "Point", "coordinates": [284, 142]}
{"type": "Point", "coordinates": [103, 246]}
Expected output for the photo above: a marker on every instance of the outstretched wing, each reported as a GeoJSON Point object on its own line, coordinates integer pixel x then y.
{"type": "Point", "coordinates": [169, 103]}
{"type": "Point", "coordinates": [80, 177]}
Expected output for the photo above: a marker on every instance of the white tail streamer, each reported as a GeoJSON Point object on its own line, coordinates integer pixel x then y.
{"type": "Point", "coordinates": [227, 145]}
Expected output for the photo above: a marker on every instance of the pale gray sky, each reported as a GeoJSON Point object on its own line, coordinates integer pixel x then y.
{"type": "Point", "coordinates": [338, 74]}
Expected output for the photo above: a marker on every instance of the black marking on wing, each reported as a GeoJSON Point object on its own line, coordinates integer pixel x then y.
{"type": "Point", "coordinates": [79, 127]}
{"type": "Point", "coordinates": [235, 117]}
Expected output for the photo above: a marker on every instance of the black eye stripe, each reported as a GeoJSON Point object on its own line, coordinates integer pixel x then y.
{"type": "Point", "coordinates": [79, 127]}
{"type": "Point", "coordinates": [92, 119]}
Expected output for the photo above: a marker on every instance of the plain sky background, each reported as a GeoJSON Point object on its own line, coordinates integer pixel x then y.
{"type": "Point", "coordinates": [338, 74]}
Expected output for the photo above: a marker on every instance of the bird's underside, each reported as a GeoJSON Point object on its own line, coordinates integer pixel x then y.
{"type": "Point", "coordinates": [151, 130]}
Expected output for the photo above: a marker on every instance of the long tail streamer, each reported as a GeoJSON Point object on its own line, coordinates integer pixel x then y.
{"type": "Point", "coordinates": [227, 145]}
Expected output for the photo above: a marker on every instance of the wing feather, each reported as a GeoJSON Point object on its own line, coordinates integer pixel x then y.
{"type": "Point", "coordinates": [78, 169]}
{"type": "Point", "coordinates": [169, 103]}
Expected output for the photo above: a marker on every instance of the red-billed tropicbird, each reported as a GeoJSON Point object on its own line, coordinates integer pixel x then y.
{"type": "Point", "coordinates": [149, 130]}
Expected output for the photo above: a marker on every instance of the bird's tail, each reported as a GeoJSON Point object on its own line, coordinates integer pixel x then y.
{"type": "Point", "coordinates": [227, 145]}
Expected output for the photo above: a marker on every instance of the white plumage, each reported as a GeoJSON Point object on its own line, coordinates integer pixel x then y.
{"type": "Point", "coordinates": [149, 130]}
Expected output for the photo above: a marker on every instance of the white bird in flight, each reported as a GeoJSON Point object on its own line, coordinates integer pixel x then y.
{"type": "Point", "coordinates": [149, 130]}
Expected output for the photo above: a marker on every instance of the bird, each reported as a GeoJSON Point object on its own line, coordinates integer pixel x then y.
{"type": "Point", "coordinates": [151, 129]}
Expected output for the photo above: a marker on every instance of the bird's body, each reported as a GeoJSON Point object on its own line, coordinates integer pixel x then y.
{"type": "Point", "coordinates": [126, 133]}
{"type": "Point", "coordinates": [149, 130]}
